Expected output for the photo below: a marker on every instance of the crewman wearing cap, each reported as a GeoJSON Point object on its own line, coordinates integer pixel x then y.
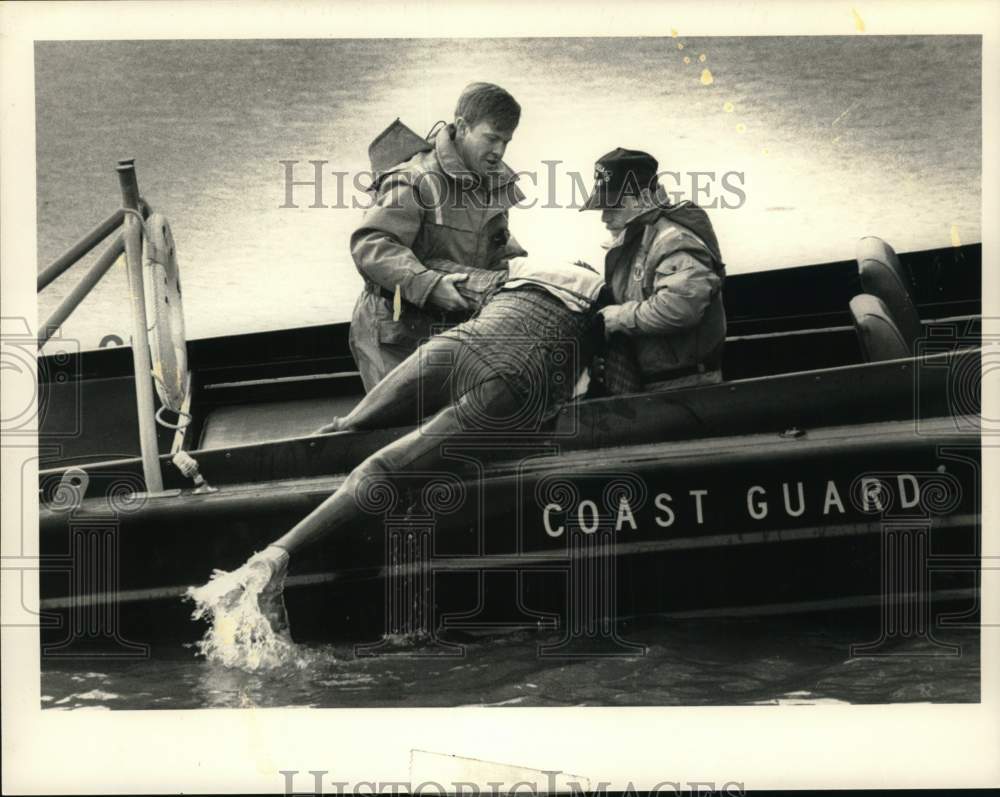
{"type": "Point", "coordinates": [663, 267]}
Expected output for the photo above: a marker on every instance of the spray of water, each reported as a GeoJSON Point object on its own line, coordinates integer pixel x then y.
{"type": "Point", "coordinates": [240, 634]}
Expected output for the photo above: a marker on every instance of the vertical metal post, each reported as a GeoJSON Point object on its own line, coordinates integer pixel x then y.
{"type": "Point", "coordinates": [145, 403]}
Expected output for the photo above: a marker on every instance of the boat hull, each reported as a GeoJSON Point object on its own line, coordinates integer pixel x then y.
{"type": "Point", "coordinates": [861, 517]}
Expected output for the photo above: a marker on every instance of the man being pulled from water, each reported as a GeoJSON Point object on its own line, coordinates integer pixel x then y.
{"type": "Point", "coordinates": [449, 203]}
{"type": "Point", "coordinates": [515, 363]}
{"type": "Point", "coordinates": [663, 268]}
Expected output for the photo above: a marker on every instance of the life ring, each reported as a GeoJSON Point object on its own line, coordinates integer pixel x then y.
{"type": "Point", "coordinates": [164, 312]}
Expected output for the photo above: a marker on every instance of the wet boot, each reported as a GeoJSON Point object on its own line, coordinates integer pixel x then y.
{"type": "Point", "coordinates": [263, 574]}
{"type": "Point", "coordinates": [271, 599]}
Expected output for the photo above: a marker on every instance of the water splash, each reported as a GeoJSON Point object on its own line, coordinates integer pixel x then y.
{"type": "Point", "coordinates": [240, 635]}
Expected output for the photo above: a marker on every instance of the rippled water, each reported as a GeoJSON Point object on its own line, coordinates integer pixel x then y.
{"type": "Point", "coordinates": [686, 664]}
{"type": "Point", "coordinates": [836, 138]}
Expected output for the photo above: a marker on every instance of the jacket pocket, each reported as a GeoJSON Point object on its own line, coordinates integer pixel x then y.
{"type": "Point", "coordinates": [412, 327]}
{"type": "Point", "coordinates": [395, 333]}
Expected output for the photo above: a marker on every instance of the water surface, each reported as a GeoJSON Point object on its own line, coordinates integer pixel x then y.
{"type": "Point", "coordinates": [835, 138]}
{"type": "Point", "coordinates": [748, 662]}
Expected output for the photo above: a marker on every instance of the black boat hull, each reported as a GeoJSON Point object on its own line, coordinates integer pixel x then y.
{"type": "Point", "coordinates": [753, 524]}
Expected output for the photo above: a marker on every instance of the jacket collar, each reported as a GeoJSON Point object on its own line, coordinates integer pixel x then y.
{"type": "Point", "coordinates": [635, 226]}
{"type": "Point", "coordinates": [644, 215]}
{"type": "Point", "coordinates": [686, 214]}
{"type": "Point", "coordinates": [454, 166]}
{"type": "Point", "coordinates": [651, 210]}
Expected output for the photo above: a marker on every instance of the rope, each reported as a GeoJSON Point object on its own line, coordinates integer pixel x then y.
{"type": "Point", "coordinates": [435, 128]}
{"type": "Point", "coordinates": [181, 424]}
{"type": "Point", "coordinates": [138, 215]}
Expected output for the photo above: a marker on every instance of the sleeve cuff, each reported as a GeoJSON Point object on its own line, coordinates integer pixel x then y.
{"type": "Point", "coordinates": [620, 318]}
{"type": "Point", "coordinates": [418, 288]}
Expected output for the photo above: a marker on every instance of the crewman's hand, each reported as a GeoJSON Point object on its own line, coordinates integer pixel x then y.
{"type": "Point", "coordinates": [445, 295]}
{"type": "Point", "coordinates": [604, 318]}
{"type": "Point", "coordinates": [612, 315]}
{"type": "Point", "coordinates": [598, 368]}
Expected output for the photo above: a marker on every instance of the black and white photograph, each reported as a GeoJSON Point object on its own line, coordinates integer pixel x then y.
{"type": "Point", "coordinates": [418, 366]}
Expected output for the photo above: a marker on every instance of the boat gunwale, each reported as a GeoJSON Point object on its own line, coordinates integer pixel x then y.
{"type": "Point", "coordinates": [726, 451]}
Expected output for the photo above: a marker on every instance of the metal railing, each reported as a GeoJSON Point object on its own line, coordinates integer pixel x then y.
{"type": "Point", "coordinates": [128, 219]}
